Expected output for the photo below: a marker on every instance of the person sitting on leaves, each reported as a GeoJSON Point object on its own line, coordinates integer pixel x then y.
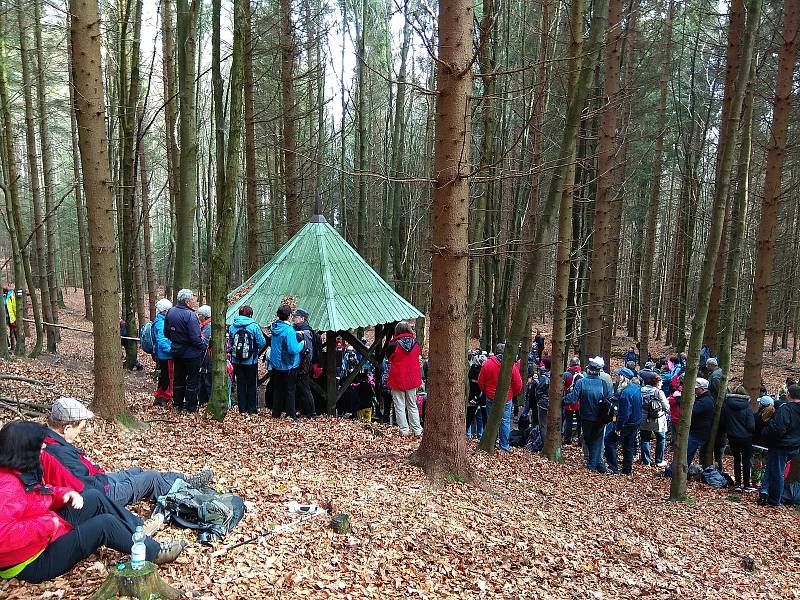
{"type": "Point", "coordinates": [47, 529]}
{"type": "Point", "coordinates": [67, 419]}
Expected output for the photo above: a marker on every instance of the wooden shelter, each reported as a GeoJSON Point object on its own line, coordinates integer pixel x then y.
{"type": "Point", "coordinates": [337, 287]}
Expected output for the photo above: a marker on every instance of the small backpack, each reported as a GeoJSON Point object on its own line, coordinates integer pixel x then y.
{"type": "Point", "coordinates": [242, 345]}
{"type": "Point", "coordinates": [652, 406]}
{"type": "Point", "coordinates": [147, 338]}
{"type": "Point", "coordinates": [210, 513]}
{"type": "Point", "coordinates": [535, 441]}
{"type": "Point", "coordinates": [306, 352]}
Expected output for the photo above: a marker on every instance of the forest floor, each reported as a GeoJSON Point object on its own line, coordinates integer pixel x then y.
{"type": "Point", "coordinates": [526, 528]}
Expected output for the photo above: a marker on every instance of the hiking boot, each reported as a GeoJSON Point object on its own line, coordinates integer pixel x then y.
{"type": "Point", "coordinates": [201, 479]}
{"type": "Point", "coordinates": [159, 402]}
{"type": "Point", "coordinates": [169, 551]}
{"type": "Point", "coordinates": [762, 499]}
{"type": "Point", "coordinates": [738, 488]}
{"type": "Point", "coordinates": [750, 488]}
{"type": "Point", "coordinates": [153, 524]}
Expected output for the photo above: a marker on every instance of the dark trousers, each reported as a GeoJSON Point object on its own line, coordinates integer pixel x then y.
{"type": "Point", "coordinates": [164, 389]}
{"type": "Point", "coordinates": [777, 458]}
{"type": "Point", "coordinates": [186, 373]}
{"type": "Point", "coordinates": [134, 484]}
{"type": "Point", "coordinates": [305, 399]}
{"type": "Point", "coordinates": [284, 386]}
{"type": "Point", "coordinates": [742, 450]}
{"type": "Point", "coordinates": [569, 417]}
{"type": "Point", "coordinates": [593, 432]}
{"type": "Point", "coordinates": [100, 522]}
{"type": "Point", "coordinates": [246, 387]}
{"type": "Point", "coordinates": [626, 438]}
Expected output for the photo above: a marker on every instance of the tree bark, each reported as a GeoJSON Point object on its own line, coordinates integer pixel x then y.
{"type": "Point", "coordinates": [170, 121]}
{"type": "Point", "coordinates": [33, 176]}
{"type": "Point", "coordinates": [443, 450]}
{"type": "Point", "coordinates": [187, 186]}
{"type": "Point", "coordinates": [223, 237]}
{"type": "Point", "coordinates": [598, 313]}
{"type": "Point", "coordinates": [288, 120]}
{"type": "Point", "coordinates": [144, 175]}
{"type": "Point", "coordinates": [254, 229]}
{"type": "Point", "coordinates": [648, 251]}
{"type": "Point", "coordinates": [722, 185]}
{"type": "Point", "coordinates": [109, 399]}
{"type": "Point", "coordinates": [767, 233]}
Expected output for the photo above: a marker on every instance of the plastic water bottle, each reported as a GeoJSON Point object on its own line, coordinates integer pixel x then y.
{"type": "Point", "coordinates": [138, 549]}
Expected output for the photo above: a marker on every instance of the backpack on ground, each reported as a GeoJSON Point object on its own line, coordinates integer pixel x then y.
{"type": "Point", "coordinates": [210, 513]}
{"type": "Point", "coordinates": [535, 441]}
{"type": "Point", "coordinates": [652, 407]}
{"type": "Point", "coordinates": [243, 345]}
{"type": "Point", "coordinates": [715, 478]}
{"type": "Point", "coordinates": [146, 338]}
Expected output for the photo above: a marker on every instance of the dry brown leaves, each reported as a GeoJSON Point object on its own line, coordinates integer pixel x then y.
{"type": "Point", "coordinates": [527, 528]}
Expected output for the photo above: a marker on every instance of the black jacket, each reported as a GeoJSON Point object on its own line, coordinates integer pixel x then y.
{"type": "Point", "coordinates": [783, 430]}
{"type": "Point", "coordinates": [738, 419]}
{"type": "Point", "coordinates": [702, 417]}
{"type": "Point", "coordinates": [71, 459]}
{"type": "Point", "coordinates": [183, 329]}
{"type": "Point", "coordinates": [543, 390]}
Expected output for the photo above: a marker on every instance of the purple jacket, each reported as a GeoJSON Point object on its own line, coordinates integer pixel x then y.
{"type": "Point", "coordinates": [183, 329]}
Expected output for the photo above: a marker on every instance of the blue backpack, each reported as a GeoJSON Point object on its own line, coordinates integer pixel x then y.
{"type": "Point", "coordinates": [146, 340]}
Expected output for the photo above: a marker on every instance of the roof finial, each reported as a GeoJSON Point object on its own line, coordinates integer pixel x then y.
{"type": "Point", "coordinates": [318, 216]}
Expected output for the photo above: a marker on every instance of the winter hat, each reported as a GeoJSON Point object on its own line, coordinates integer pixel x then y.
{"type": "Point", "coordinates": [712, 361]}
{"type": "Point", "coordinates": [69, 410]}
{"type": "Point", "coordinates": [701, 384]}
{"type": "Point", "coordinates": [163, 305]}
{"type": "Point", "coordinates": [626, 373]}
{"type": "Point", "coordinates": [766, 401]}
{"type": "Point", "coordinates": [204, 311]}
{"type": "Point", "coordinates": [299, 312]}
{"type": "Point", "coordinates": [597, 363]}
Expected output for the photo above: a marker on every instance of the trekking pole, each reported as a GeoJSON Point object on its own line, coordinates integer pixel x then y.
{"type": "Point", "coordinates": [273, 531]}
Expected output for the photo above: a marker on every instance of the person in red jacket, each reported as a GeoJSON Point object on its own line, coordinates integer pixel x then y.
{"type": "Point", "coordinates": [487, 381]}
{"type": "Point", "coordinates": [46, 529]}
{"type": "Point", "coordinates": [405, 377]}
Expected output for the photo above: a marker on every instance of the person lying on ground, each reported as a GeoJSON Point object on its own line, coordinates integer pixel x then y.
{"type": "Point", "coordinates": [67, 419]}
{"type": "Point", "coordinates": [45, 529]}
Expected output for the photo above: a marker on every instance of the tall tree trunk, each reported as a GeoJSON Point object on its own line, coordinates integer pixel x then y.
{"type": "Point", "coordinates": [170, 121]}
{"type": "Point", "coordinates": [362, 137]}
{"type": "Point", "coordinates": [566, 156]}
{"type": "Point", "coordinates": [223, 238]}
{"type": "Point", "coordinates": [738, 217]}
{"type": "Point", "coordinates": [47, 168]}
{"type": "Point", "coordinates": [144, 175]}
{"type": "Point", "coordinates": [80, 216]}
{"type": "Point", "coordinates": [601, 238]}
{"type": "Point", "coordinates": [33, 175]}
{"type": "Point", "coordinates": [552, 442]}
{"type": "Point", "coordinates": [187, 186]}
{"type": "Point", "coordinates": [443, 449]}
{"type": "Point", "coordinates": [735, 15]}
{"type": "Point", "coordinates": [654, 202]}
{"type": "Point", "coordinates": [288, 120]}
{"type": "Point", "coordinates": [722, 185]}
{"type": "Point", "coordinates": [254, 229]}
{"type": "Point", "coordinates": [109, 399]}
{"type": "Point", "coordinates": [776, 152]}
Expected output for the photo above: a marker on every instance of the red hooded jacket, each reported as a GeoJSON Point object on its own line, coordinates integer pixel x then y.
{"type": "Point", "coordinates": [26, 518]}
{"type": "Point", "coordinates": [487, 379]}
{"type": "Point", "coordinates": [404, 368]}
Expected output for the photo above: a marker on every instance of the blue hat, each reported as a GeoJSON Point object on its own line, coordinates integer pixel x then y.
{"type": "Point", "coordinates": [626, 373]}
{"type": "Point", "coordinates": [766, 401]}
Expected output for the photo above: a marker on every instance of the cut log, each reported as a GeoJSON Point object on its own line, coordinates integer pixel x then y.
{"type": "Point", "coordinates": [341, 524]}
{"type": "Point", "coordinates": [144, 583]}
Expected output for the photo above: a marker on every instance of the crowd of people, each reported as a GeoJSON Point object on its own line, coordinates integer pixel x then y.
{"type": "Point", "coordinates": [635, 410]}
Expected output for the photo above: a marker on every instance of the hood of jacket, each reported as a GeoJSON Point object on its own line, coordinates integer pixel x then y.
{"type": "Point", "coordinates": [737, 402]}
{"type": "Point", "coordinates": [277, 327]}
{"type": "Point", "coordinates": [405, 340]}
{"type": "Point", "coordinates": [241, 321]}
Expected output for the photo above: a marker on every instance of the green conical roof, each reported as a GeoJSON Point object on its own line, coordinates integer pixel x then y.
{"type": "Point", "coordinates": [328, 278]}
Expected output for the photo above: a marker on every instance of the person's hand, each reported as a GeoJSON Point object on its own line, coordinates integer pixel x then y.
{"type": "Point", "coordinates": [74, 499]}
{"type": "Point", "coordinates": [56, 523]}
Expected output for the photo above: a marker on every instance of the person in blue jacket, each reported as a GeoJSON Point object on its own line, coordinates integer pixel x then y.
{"type": "Point", "coordinates": [284, 358]}
{"type": "Point", "coordinates": [163, 354]}
{"type": "Point", "coordinates": [590, 391]}
{"type": "Point", "coordinates": [246, 342]}
{"type": "Point", "coordinates": [629, 416]}
{"type": "Point", "coordinates": [182, 328]}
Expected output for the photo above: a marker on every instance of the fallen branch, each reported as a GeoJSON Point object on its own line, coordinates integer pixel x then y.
{"type": "Point", "coordinates": [87, 331]}
{"type": "Point", "coordinates": [25, 379]}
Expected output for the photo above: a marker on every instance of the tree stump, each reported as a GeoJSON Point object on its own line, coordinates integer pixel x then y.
{"type": "Point", "coordinates": [144, 584]}
{"type": "Point", "coordinates": [341, 524]}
